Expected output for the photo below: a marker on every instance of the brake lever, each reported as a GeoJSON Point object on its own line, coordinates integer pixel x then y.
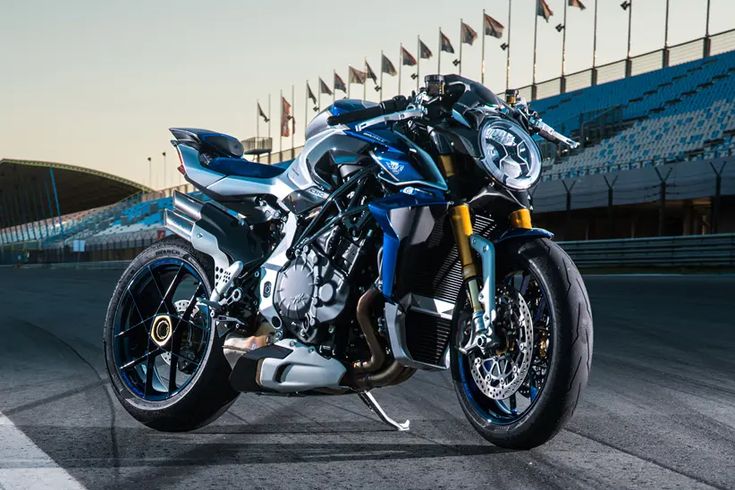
{"type": "Point", "coordinates": [550, 134]}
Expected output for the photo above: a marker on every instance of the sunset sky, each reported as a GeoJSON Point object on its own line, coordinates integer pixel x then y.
{"type": "Point", "coordinates": [97, 83]}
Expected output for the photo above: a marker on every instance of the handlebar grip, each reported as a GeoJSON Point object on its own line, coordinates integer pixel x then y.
{"type": "Point", "coordinates": [395, 104]}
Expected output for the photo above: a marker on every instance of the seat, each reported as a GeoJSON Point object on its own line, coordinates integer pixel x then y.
{"type": "Point", "coordinates": [245, 168]}
{"type": "Point", "coordinates": [210, 142]}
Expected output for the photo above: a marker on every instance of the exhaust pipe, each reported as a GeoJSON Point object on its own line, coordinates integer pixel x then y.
{"type": "Point", "coordinates": [364, 320]}
{"type": "Point", "coordinates": [188, 205]}
{"type": "Point", "coordinates": [178, 224]}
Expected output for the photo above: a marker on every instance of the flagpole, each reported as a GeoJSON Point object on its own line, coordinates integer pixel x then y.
{"type": "Point", "coordinates": [482, 63]}
{"type": "Point", "coordinates": [628, 62]}
{"type": "Point", "coordinates": [630, 24]}
{"type": "Point", "coordinates": [665, 61]}
{"type": "Point", "coordinates": [349, 81]}
{"type": "Point", "coordinates": [594, 48]}
{"type": "Point", "coordinates": [270, 154]}
{"type": "Point", "coordinates": [364, 85]}
{"type": "Point", "coordinates": [461, 21]}
{"type": "Point", "coordinates": [439, 54]}
{"type": "Point", "coordinates": [562, 81]}
{"type": "Point", "coordinates": [707, 41]}
{"type": "Point", "coordinates": [334, 86]}
{"type": "Point", "coordinates": [280, 133]}
{"type": "Point", "coordinates": [507, 54]}
{"type": "Point", "coordinates": [306, 106]}
{"type": "Point", "coordinates": [418, 61]}
{"type": "Point", "coordinates": [381, 75]}
{"type": "Point", "coordinates": [257, 126]}
{"type": "Point", "coordinates": [400, 68]}
{"type": "Point", "coordinates": [293, 123]}
{"type": "Point", "coordinates": [535, 39]}
{"type": "Point", "coordinates": [706, 30]}
{"type": "Point", "coordinates": [666, 30]}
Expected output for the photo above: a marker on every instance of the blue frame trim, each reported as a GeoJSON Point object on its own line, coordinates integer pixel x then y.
{"type": "Point", "coordinates": [409, 198]}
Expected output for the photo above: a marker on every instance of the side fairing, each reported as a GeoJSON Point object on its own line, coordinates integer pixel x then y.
{"type": "Point", "coordinates": [399, 215]}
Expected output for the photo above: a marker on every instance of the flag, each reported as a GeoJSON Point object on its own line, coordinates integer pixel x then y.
{"type": "Point", "coordinates": [387, 66]}
{"type": "Point", "coordinates": [324, 88]}
{"type": "Point", "coordinates": [356, 76]}
{"type": "Point", "coordinates": [577, 3]}
{"type": "Point", "coordinates": [310, 94]}
{"type": "Point", "coordinates": [339, 84]}
{"type": "Point", "coordinates": [446, 44]}
{"type": "Point", "coordinates": [467, 34]}
{"type": "Point", "coordinates": [543, 10]}
{"type": "Point", "coordinates": [494, 28]}
{"type": "Point", "coordinates": [285, 117]}
{"type": "Point", "coordinates": [424, 51]}
{"type": "Point", "coordinates": [407, 58]}
{"type": "Point", "coordinates": [262, 114]}
{"type": "Point", "coordinates": [370, 73]}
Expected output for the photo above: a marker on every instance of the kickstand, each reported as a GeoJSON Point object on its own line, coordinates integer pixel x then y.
{"type": "Point", "coordinates": [375, 407]}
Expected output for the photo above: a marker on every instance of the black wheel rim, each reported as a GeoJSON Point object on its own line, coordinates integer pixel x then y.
{"type": "Point", "coordinates": [160, 336]}
{"type": "Point", "coordinates": [512, 409]}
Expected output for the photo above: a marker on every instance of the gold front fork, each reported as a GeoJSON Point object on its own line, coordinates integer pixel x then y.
{"type": "Point", "coordinates": [462, 228]}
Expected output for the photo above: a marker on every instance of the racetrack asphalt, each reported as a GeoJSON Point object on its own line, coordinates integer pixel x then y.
{"type": "Point", "coordinates": [659, 411]}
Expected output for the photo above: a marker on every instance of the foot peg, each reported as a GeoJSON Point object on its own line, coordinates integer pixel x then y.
{"type": "Point", "coordinates": [375, 407]}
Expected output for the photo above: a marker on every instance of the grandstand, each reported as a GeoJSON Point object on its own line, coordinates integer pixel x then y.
{"type": "Point", "coordinates": [655, 154]}
{"type": "Point", "coordinates": [655, 161]}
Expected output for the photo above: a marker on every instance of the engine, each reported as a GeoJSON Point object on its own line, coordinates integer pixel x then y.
{"type": "Point", "coordinates": [309, 290]}
{"type": "Point", "coordinates": [313, 289]}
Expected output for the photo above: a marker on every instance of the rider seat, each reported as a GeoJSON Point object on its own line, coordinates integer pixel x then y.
{"type": "Point", "coordinates": [245, 168]}
{"type": "Point", "coordinates": [225, 154]}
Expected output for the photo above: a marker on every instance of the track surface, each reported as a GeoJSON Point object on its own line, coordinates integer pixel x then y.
{"type": "Point", "coordinates": [659, 410]}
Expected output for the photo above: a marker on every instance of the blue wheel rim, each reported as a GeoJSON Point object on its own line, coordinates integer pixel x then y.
{"type": "Point", "coordinates": [157, 367]}
{"type": "Point", "coordinates": [504, 412]}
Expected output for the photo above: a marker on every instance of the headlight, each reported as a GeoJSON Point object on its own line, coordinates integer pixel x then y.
{"type": "Point", "coordinates": [509, 154]}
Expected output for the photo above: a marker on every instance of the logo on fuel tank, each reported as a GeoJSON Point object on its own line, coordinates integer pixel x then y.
{"type": "Point", "coordinates": [396, 168]}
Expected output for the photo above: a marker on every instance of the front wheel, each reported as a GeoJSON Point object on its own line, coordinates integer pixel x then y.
{"type": "Point", "coordinates": [523, 392]}
{"type": "Point", "coordinates": [163, 355]}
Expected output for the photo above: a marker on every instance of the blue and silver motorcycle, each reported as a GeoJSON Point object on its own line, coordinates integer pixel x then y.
{"type": "Point", "coordinates": [399, 239]}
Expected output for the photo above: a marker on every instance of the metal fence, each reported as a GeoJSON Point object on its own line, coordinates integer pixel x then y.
{"type": "Point", "coordinates": [643, 63]}
{"type": "Point", "coordinates": [695, 251]}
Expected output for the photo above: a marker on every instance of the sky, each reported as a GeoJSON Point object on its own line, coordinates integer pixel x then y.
{"type": "Point", "coordinates": [96, 83]}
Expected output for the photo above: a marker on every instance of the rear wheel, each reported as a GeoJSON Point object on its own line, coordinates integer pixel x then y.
{"type": "Point", "coordinates": [163, 355]}
{"type": "Point", "coordinates": [522, 393]}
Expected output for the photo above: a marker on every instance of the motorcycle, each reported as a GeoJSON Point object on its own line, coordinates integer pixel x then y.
{"type": "Point", "coordinates": [399, 239]}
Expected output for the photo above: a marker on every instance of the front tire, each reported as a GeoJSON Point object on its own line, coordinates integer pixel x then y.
{"type": "Point", "coordinates": [553, 389]}
{"type": "Point", "coordinates": [163, 355]}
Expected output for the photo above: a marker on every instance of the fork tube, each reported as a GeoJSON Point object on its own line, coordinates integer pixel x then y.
{"type": "Point", "coordinates": [462, 228]}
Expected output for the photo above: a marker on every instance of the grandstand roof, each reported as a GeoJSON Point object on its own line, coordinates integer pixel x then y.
{"type": "Point", "coordinates": [27, 190]}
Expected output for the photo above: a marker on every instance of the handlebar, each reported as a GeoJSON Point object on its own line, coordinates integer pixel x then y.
{"type": "Point", "coordinates": [395, 104]}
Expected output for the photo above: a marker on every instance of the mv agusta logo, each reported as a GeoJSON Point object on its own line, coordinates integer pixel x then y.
{"type": "Point", "coordinates": [395, 167]}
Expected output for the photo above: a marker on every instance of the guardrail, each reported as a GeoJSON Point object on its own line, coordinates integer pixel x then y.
{"type": "Point", "coordinates": [658, 252]}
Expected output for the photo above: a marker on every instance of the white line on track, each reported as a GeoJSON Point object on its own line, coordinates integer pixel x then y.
{"type": "Point", "coordinates": [24, 465]}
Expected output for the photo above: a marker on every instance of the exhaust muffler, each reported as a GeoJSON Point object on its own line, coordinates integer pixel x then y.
{"type": "Point", "coordinates": [188, 205]}
{"type": "Point", "coordinates": [178, 224]}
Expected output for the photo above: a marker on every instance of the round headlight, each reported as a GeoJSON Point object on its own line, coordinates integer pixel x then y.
{"type": "Point", "coordinates": [509, 154]}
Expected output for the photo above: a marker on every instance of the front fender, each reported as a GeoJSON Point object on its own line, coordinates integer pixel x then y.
{"type": "Point", "coordinates": [524, 233]}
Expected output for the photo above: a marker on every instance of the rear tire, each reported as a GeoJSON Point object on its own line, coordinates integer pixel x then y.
{"type": "Point", "coordinates": [571, 348]}
{"type": "Point", "coordinates": [207, 393]}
